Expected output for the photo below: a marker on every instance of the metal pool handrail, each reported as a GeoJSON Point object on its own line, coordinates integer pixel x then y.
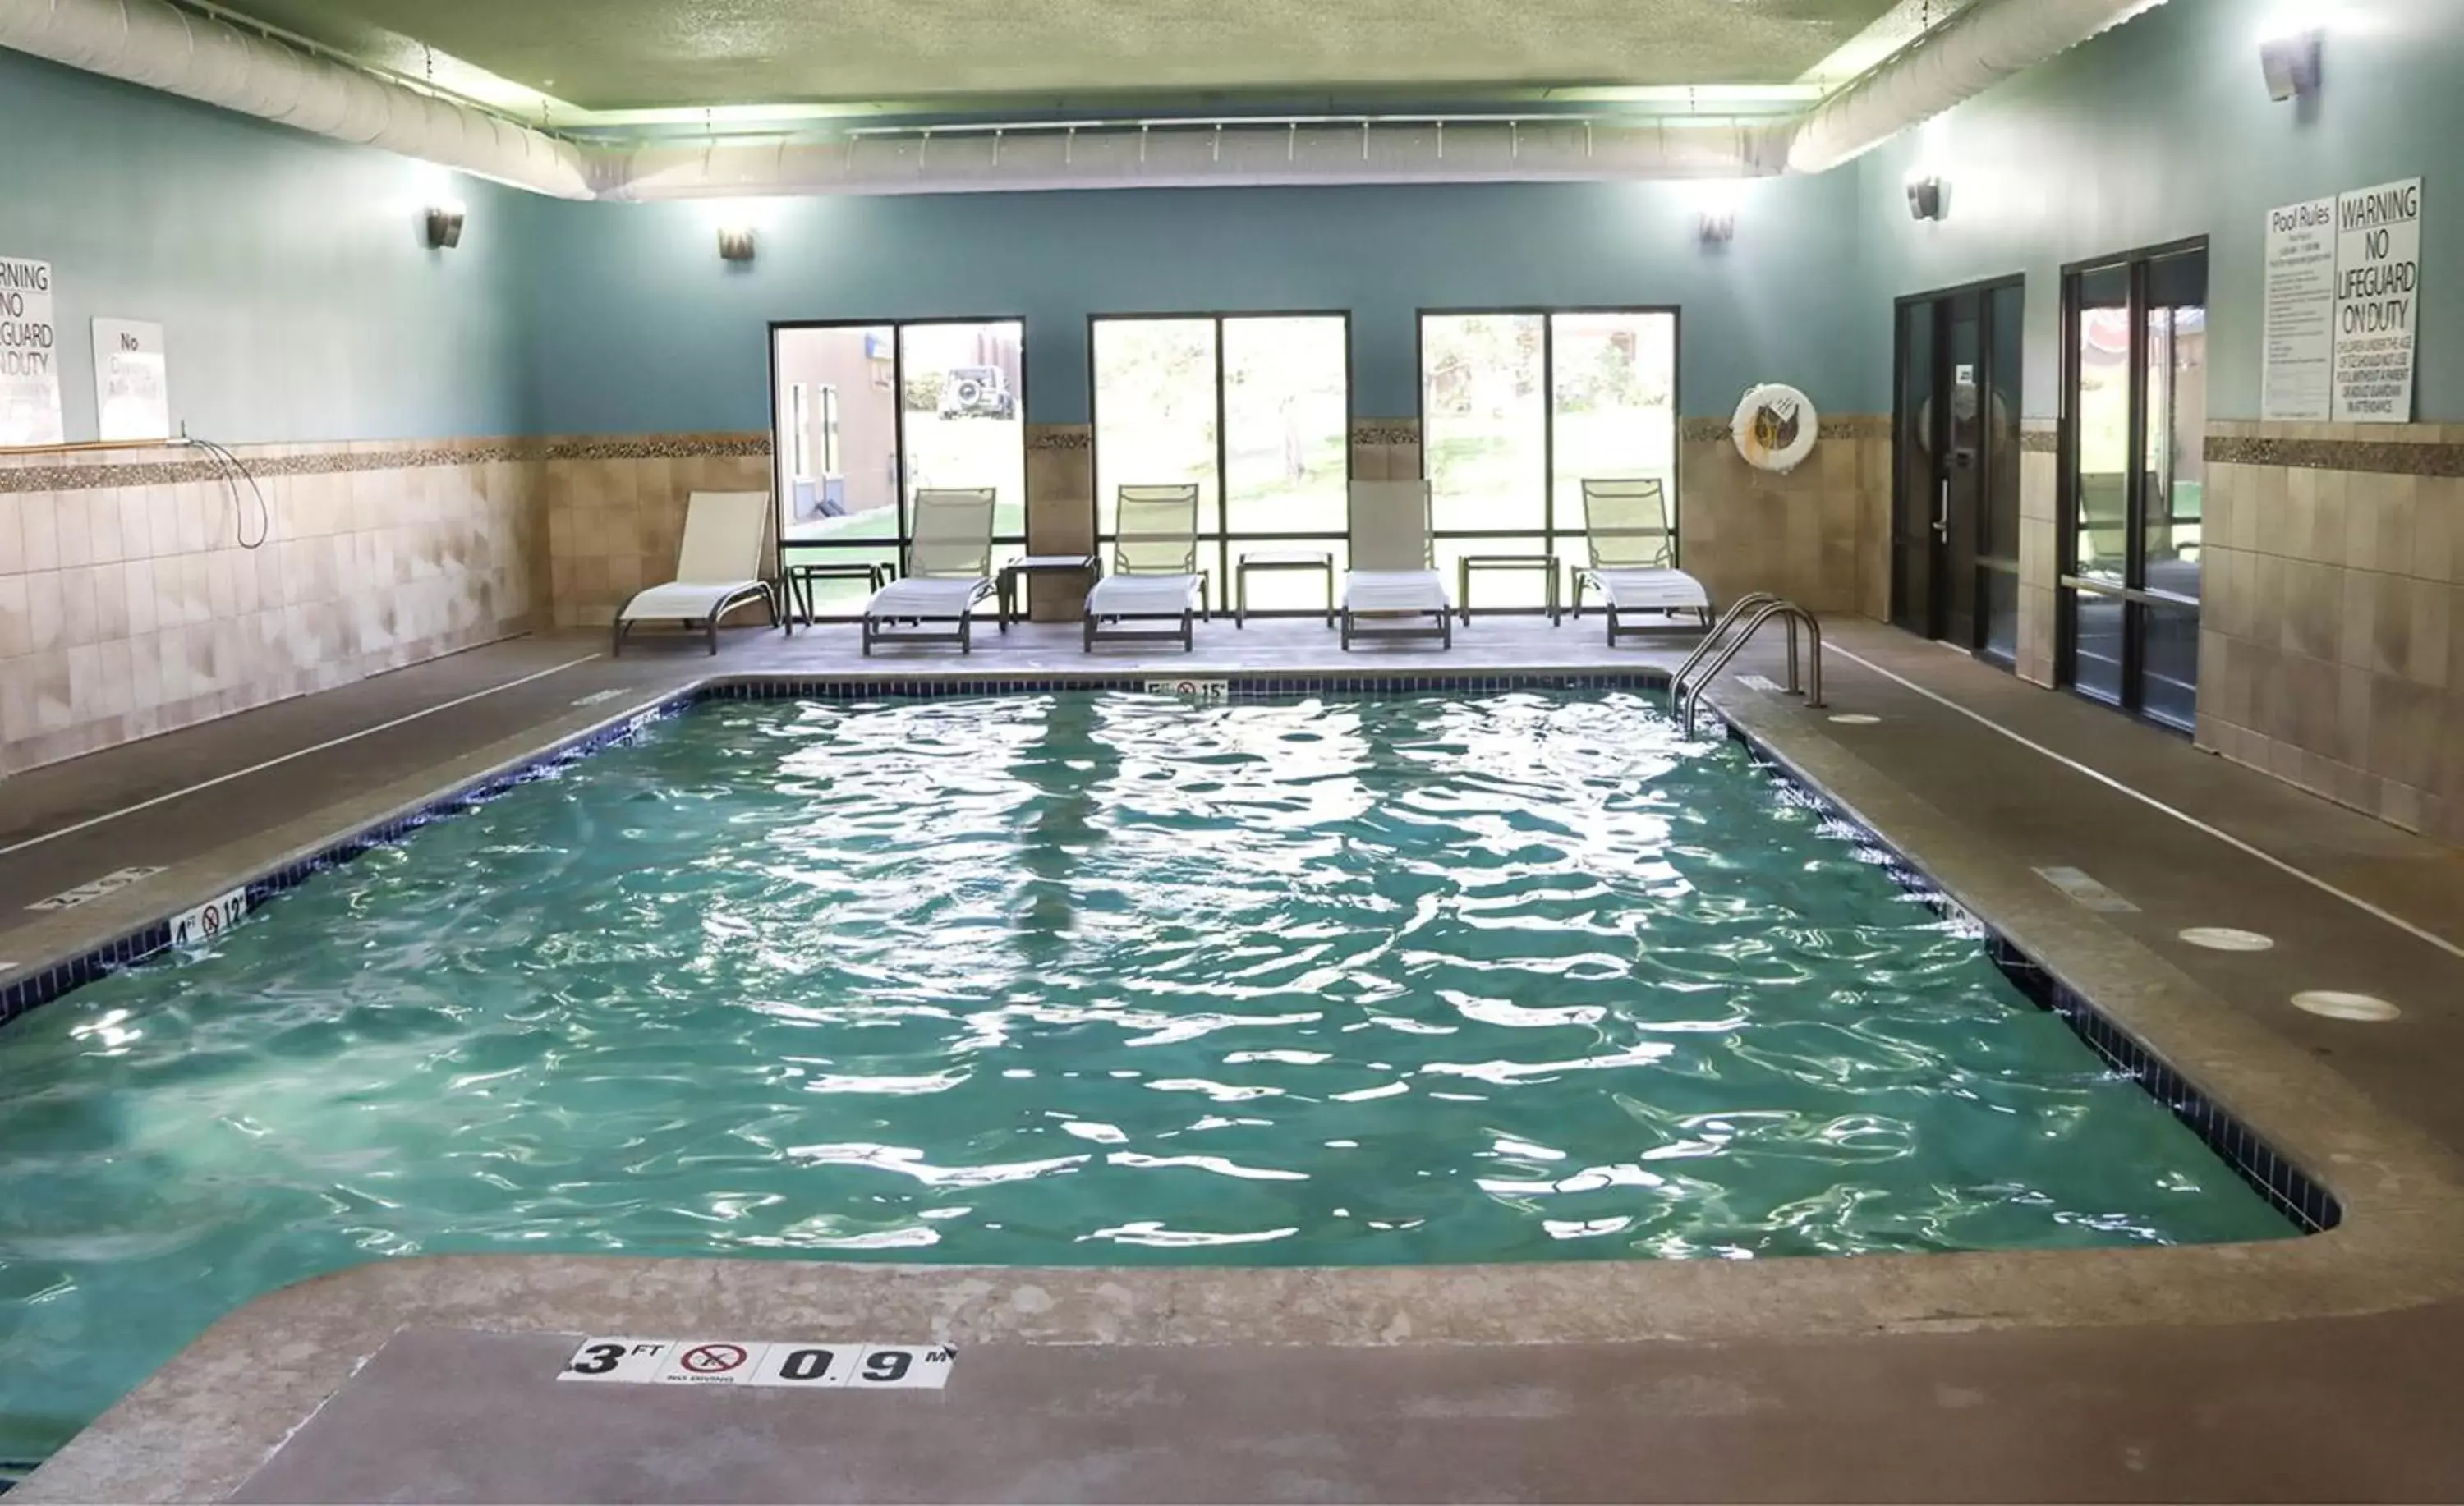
{"type": "Point", "coordinates": [1711, 640]}
{"type": "Point", "coordinates": [1790, 612]}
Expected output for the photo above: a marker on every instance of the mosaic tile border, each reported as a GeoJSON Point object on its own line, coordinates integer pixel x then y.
{"type": "Point", "coordinates": [101, 471]}
{"type": "Point", "coordinates": [1059, 436]}
{"type": "Point", "coordinates": [1835, 427]}
{"type": "Point", "coordinates": [2303, 1203]}
{"type": "Point", "coordinates": [2382, 457]}
{"type": "Point", "coordinates": [2040, 441]}
{"type": "Point", "coordinates": [92, 475]}
{"type": "Point", "coordinates": [1385, 431]}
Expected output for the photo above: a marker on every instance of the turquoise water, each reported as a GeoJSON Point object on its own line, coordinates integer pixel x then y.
{"type": "Point", "coordinates": [1064, 979]}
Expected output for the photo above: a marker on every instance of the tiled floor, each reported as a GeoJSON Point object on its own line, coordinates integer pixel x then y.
{"type": "Point", "coordinates": [2300, 1369]}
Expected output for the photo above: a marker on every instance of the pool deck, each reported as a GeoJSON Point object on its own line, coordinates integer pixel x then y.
{"type": "Point", "coordinates": [2315, 1368]}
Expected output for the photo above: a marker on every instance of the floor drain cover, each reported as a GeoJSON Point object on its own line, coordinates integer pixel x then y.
{"type": "Point", "coordinates": [2335, 1004]}
{"type": "Point", "coordinates": [2224, 938]}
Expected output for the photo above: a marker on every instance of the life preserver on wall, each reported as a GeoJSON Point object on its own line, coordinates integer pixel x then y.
{"type": "Point", "coordinates": [1775, 427]}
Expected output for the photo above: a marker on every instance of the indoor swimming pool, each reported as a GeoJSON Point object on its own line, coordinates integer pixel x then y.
{"type": "Point", "coordinates": [1095, 977]}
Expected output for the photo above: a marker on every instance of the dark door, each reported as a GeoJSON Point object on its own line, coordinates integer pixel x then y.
{"type": "Point", "coordinates": [1958, 478]}
{"type": "Point", "coordinates": [1955, 501]}
{"type": "Point", "coordinates": [1914, 486]}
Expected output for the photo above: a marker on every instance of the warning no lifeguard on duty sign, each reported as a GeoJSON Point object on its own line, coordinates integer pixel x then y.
{"type": "Point", "coordinates": [733, 1362]}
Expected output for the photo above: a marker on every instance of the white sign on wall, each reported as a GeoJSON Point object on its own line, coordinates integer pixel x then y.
{"type": "Point", "coordinates": [2343, 294]}
{"type": "Point", "coordinates": [2378, 302]}
{"type": "Point", "coordinates": [30, 355]}
{"type": "Point", "coordinates": [2300, 360]}
{"type": "Point", "coordinates": [132, 386]}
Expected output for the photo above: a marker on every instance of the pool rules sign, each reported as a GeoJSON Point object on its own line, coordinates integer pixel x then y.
{"type": "Point", "coordinates": [2343, 306]}
{"type": "Point", "coordinates": [30, 355]}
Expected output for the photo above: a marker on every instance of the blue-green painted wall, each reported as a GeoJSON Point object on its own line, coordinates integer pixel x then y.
{"type": "Point", "coordinates": [637, 325]}
{"type": "Point", "coordinates": [2161, 130]}
{"type": "Point", "coordinates": [299, 300]}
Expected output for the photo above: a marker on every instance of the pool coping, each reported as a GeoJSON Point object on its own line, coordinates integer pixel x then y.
{"type": "Point", "coordinates": [191, 1428]}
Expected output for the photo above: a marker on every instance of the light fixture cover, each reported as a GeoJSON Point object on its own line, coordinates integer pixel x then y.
{"type": "Point", "coordinates": [2291, 63]}
{"type": "Point", "coordinates": [736, 243]}
{"type": "Point", "coordinates": [1719, 227]}
{"type": "Point", "coordinates": [1925, 198]}
{"type": "Point", "coordinates": [445, 225]}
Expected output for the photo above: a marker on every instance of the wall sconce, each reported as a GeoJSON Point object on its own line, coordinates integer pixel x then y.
{"type": "Point", "coordinates": [1718, 226]}
{"type": "Point", "coordinates": [1929, 198]}
{"type": "Point", "coordinates": [2290, 60]}
{"type": "Point", "coordinates": [736, 243]}
{"type": "Point", "coordinates": [445, 225]}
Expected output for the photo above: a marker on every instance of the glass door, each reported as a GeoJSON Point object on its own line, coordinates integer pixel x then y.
{"type": "Point", "coordinates": [1955, 490]}
{"type": "Point", "coordinates": [2135, 381]}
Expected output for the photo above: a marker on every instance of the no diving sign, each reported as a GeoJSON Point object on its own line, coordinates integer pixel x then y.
{"type": "Point", "coordinates": [729, 1362]}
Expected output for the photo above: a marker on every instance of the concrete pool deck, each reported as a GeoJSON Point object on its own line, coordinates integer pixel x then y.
{"type": "Point", "coordinates": [2299, 1368]}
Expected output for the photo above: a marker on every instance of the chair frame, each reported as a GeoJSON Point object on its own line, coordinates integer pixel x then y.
{"type": "Point", "coordinates": [962, 629]}
{"type": "Point", "coordinates": [1184, 629]}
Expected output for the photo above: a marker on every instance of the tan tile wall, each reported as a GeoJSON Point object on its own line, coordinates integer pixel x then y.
{"type": "Point", "coordinates": [616, 512]}
{"type": "Point", "coordinates": [1819, 535]}
{"type": "Point", "coordinates": [2332, 645]}
{"type": "Point", "coordinates": [1060, 514]}
{"type": "Point", "coordinates": [132, 609]}
{"type": "Point", "coordinates": [2039, 552]}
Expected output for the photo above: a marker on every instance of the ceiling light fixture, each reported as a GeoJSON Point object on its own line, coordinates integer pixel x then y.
{"type": "Point", "coordinates": [445, 225]}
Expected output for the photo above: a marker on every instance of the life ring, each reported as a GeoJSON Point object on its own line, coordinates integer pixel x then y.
{"type": "Point", "coordinates": [1775, 427]}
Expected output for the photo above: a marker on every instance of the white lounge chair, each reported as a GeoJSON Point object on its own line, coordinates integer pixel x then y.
{"type": "Point", "coordinates": [949, 570]}
{"type": "Point", "coordinates": [1394, 569]}
{"type": "Point", "coordinates": [718, 566]}
{"type": "Point", "coordinates": [1155, 569]}
{"type": "Point", "coordinates": [1632, 567]}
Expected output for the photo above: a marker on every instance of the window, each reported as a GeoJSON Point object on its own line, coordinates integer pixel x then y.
{"type": "Point", "coordinates": [1253, 409]}
{"type": "Point", "coordinates": [2135, 357]}
{"type": "Point", "coordinates": [871, 413]}
{"type": "Point", "coordinates": [1519, 409]}
{"type": "Point", "coordinates": [816, 430]}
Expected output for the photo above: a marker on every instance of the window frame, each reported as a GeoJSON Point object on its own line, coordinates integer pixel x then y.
{"type": "Point", "coordinates": [2134, 594]}
{"type": "Point", "coordinates": [781, 544]}
{"type": "Point", "coordinates": [1554, 532]}
{"type": "Point", "coordinates": [1222, 536]}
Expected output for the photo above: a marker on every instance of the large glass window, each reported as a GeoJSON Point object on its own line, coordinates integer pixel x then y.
{"type": "Point", "coordinates": [1518, 409]}
{"type": "Point", "coordinates": [2136, 357]}
{"type": "Point", "coordinates": [1254, 408]}
{"type": "Point", "coordinates": [1158, 406]}
{"type": "Point", "coordinates": [868, 414]}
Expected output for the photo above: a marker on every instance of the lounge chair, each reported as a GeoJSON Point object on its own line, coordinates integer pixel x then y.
{"type": "Point", "coordinates": [718, 566]}
{"type": "Point", "coordinates": [949, 570]}
{"type": "Point", "coordinates": [1625, 522]}
{"type": "Point", "coordinates": [1394, 564]}
{"type": "Point", "coordinates": [1155, 570]}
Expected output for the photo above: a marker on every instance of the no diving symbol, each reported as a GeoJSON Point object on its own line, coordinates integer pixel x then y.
{"type": "Point", "coordinates": [211, 921]}
{"type": "Point", "coordinates": [713, 1359]}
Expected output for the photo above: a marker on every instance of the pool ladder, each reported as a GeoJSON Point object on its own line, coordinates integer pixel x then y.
{"type": "Point", "coordinates": [1712, 654]}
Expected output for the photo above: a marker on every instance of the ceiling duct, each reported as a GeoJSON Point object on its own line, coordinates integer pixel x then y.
{"type": "Point", "coordinates": [1954, 62]}
{"type": "Point", "coordinates": [1180, 154]}
{"type": "Point", "coordinates": [159, 45]}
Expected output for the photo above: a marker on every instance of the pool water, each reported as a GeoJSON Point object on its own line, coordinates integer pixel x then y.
{"type": "Point", "coordinates": [1093, 978]}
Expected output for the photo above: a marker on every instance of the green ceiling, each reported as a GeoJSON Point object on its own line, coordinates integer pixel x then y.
{"type": "Point", "coordinates": [622, 54]}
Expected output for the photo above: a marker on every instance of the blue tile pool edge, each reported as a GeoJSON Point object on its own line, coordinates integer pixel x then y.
{"type": "Point", "coordinates": [2309, 1207]}
{"type": "Point", "coordinates": [2302, 1201]}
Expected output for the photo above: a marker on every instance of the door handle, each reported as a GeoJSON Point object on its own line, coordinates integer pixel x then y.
{"type": "Point", "coordinates": [1942, 512]}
